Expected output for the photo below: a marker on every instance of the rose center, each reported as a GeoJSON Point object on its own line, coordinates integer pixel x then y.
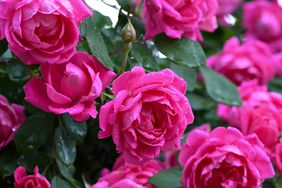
{"type": "Point", "coordinates": [74, 82]}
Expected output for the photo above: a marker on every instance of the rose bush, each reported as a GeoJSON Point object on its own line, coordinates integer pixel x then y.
{"type": "Point", "coordinates": [41, 31]}
{"type": "Point", "coordinates": [78, 88]}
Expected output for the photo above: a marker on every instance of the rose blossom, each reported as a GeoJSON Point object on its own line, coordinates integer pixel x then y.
{"type": "Point", "coordinates": [261, 113]}
{"type": "Point", "coordinates": [242, 62]}
{"type": "Point", "coordinates": [224, 158]}
{"type": "Point", "coordinates": [22, 180]}
{"type": "Point", "coordinates": [148, 115]}
{"type": "Point", "coordinates": [263, 21]}
{"type": "Point", "coordinates": [40, 31]}
{"type": "Point", "coordinates": [70, 87]}
{"type": "Point", "coordinates": [129, 175]}
{"type": "Point", "coordinates": [11, 117]}
{"type": "Point", "coordinates": [179, 18]}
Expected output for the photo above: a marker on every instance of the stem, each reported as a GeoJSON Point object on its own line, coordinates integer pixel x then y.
{"type": "Point", "coordinates": [113, 6]}
{"type": "Point", "coordinates": [108, 95]}
{"type": "Point", "coordinates": [126, 50]}
{"type": "Point", "coordinates": [47, 167]}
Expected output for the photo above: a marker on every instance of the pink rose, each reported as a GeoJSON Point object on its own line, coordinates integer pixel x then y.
{"type": "Point", "coordinates": [243, 62]}
{"type": "Point", "coordinates": [11, 117]}
{"type": "Point", "coordinates": [126, 175]}
{"type": "Point", "coordinates": [148, 115]}
{"type": "Point", "coordinates": [179, 18]}
{"type": "Point", "coordinates": [70, 87]}
{"type": "Point", "coordinates": [22, 180]}
{"type": "Point", "coordinates": [40, 31]}
{"type": "Point", "coordinates": [263, 21]}
{"type": "Point", "coordinates": [261, 113]}
{"type": "Point", "coordinates": [226, 7]}
{"type": "Point", "coordinates": [224, 158]}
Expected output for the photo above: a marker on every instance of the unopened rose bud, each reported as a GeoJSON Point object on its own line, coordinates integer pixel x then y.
{"type": "Point", "coordinates": [128, 32]}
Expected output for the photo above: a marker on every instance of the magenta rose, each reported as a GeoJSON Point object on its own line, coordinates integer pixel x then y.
{"type": "Point", "coordinates": [148, 115]}
{"type": "Point", "coordinates": [126, 175]}
{"type": "Point", "coordinates": [40, 31]}
{"type": "Point", "coordinates": [11, 117]}
{"type": "Point", "coordinates": [261, 113]}
{"type": "Point", "coordinates": [263, 21]}
{"type": "Point", "coordinates": [224, 158]}
{"type": "Point", "coordinates": [22, 180]}
{"type": "Point", "coordinates": [70, 87]}
{"type": "Point", "coordinates": [243, 62]}
{"type": "Point", "coordinates": [179, 18]}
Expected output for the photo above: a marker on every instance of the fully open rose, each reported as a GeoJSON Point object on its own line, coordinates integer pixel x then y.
{"type": "Point", "coordinates": [243, 62]}
{"type": "Point", "coordinates": [11, 117]}
{"type": "Point", "coordinates": [179, 18]}
{"type": "Point", "coordinates": [70, 87]}
{"type": "Point", "coordinates": [22, 180]}
{"type": "Point", "coordinates": [40, 31]}
{"type": "Point", "coordinates": [149, 114]}
{"type": "Point", "coordinates": [224, 158]}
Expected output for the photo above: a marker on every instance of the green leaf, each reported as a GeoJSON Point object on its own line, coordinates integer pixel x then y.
{"type": "Point", "coordinates": [275, 85]}
{"type": "Point", "coordinates": [76, 130]}
{"type": "Point", "coordinates": [66, 171]}
{"type": "Point", "coordinates": [144, 56]}
{"type": "Point", "coordinates": [183, 51]}
{"type": "Point", "coordinates": [3, 46]}
{"type": "Point", "coordinates": [65, 146]}
{"type": "Point", "coordinates": [220, 88]}
{"type": "Point", "coordinates": [58, 182]}
{"type": "Point", "coordinates": [34, 132]}
{"type": "Point", "coordinates": [91, 30]}
{"type": "Point", "coordinates": [188, 74]}
{"type": "Point", "coordinates": [125, 4]}
{"type": "Point", "coordinates": [199, 102]}
{"type": "Point", "coordinates": [101, 21]}
{"type": "Point", "coordinates": [170, 178]}
{"type": "Point", "coordinates": [17, 71]}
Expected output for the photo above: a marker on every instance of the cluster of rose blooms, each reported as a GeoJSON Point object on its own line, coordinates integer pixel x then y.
{"type": "Point", "coordinates": [150, 111]}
